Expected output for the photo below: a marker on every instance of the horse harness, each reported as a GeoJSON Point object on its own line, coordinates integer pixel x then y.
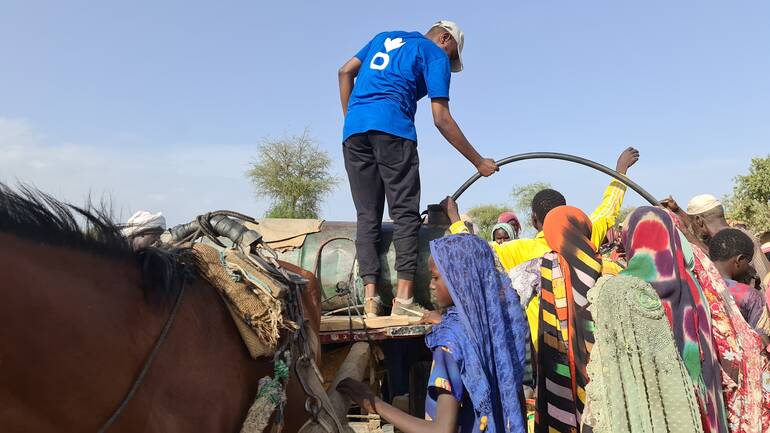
{"type": "Point", "coordinates": [211, 226]}
{"type": "Point", "coordinates": [147, 363]}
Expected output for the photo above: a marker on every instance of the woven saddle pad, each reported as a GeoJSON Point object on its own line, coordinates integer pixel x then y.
{"type": "Point", "coordinates": [252, 296]}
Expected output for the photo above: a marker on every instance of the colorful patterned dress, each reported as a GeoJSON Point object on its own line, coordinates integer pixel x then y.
{"type": "Point", "coordinates": [565, 327]}
{"type": "Point", "coordinates": [745, 364]}
{"type": "Point", "coordinates": [655, 254]}
{"type": "Point", "coordinates": [445, 378]}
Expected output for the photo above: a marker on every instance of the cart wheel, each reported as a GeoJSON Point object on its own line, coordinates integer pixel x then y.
{"type": "Point", "coordinates": [419, 374]}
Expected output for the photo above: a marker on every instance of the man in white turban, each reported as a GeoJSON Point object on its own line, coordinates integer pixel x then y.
{"type": "Point", "coordinates": [708, 218]}
{"type": "Point", "coordinates": [144, 228]}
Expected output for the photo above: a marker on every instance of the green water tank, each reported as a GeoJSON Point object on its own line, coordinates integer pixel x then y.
{"type": "Point", "coordinates": [330, 254]}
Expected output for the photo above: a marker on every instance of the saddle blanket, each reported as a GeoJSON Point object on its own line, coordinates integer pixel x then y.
{"type": "Point", "coordinates": [252, 296]}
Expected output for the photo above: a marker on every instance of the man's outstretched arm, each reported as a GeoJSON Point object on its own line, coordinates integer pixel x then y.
{"type": "Point", "coordinates": [446, 124]}
{"type": "Point", "coordinates": [606, 215]}
{"type": "Point", "coordinates": [347, 76]}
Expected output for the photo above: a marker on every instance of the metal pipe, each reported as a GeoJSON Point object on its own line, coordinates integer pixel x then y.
{"type": "Point", "coordinates": [563, 157]}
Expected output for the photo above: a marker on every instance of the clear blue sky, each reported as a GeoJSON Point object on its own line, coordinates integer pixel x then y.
{"type": "Point", "coordinates": [161, 104]}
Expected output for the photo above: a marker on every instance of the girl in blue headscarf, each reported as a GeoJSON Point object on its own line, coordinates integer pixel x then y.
{"type": "Point", "coordinates": [478, 348]}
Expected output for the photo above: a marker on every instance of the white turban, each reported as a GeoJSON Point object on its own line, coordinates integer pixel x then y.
{"type": "Point", "coordinates": [702, 203]}
{"type": "Point", "coordinates": [143, 220]}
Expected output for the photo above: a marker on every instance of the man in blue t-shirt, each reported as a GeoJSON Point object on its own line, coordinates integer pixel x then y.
{"type": "Point", "coordinates": [379, 90]}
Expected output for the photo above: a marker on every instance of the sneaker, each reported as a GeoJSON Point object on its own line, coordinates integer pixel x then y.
{"type": "Point", "coordinates": [372, 306]}
{"type": "Point", "coordinates": [411, 309]}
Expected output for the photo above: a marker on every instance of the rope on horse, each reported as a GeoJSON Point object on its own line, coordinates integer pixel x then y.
{"type": "Point", "coordinates": [271, 394]}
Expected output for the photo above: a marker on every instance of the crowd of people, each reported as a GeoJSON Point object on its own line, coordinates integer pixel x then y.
{"type": "Point", "coordinates": [658, 323]}
{"type": "Point", "coordinates": [659, 326]}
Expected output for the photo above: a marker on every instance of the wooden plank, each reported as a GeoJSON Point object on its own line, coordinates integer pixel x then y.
{"type": "Point", "coordinates": [332, 337]}
{"type": "Point", "coordinates": [365, 423]}
{"type": "Point", "coordinates": [343, 323]}
{"type": "Point", "coordinates": [393, 332]}
{"type": "Point", "coordinates": [408, 331]}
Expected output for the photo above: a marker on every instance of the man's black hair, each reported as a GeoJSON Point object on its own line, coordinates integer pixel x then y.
{"type": "Point", "coordinates": [728, 243]}
{"type": "Point", "coordinates": [544, 201]}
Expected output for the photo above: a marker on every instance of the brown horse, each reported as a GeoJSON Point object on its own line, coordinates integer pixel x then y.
{"type": "Point", "coordinates": [80, 313]}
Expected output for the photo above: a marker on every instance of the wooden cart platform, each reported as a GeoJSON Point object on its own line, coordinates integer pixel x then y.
{"type": "Point", "coordinates": [340, 329]}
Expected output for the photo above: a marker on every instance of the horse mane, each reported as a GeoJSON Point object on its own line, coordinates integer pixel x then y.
{"type": "Point", "coordinates": [34, 215]}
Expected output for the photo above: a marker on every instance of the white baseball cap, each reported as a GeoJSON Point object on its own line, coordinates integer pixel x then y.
{"type": "Point", "coordinates": [454, 30]}
{"type": "Point", "coordinates": [702, 203]}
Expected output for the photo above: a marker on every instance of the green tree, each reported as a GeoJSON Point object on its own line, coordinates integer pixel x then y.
{"type": "Point", "coordinates": [624, 212]}
{"type": "Point", "coordinates": [485, 217]}
{"type": "Point", "coordinates": [293, 172]}
{"type": "Point", "coordinates": [522, 202]}
{"type": "Point", "coordinates": [750, 201]}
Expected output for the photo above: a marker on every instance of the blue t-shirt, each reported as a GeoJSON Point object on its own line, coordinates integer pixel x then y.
{"type": "Point", "coordinates": [398, 69]}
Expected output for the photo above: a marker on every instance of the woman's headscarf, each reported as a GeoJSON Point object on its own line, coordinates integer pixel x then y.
{"type": "Point", "coordinates": [485, 329]}
{"type": "Point", "coordinates": [510, 218]}
{"type": "Point", "coordinates": [638, 381]}
{"type": "Point", "coordinates": [655, 254]}
{"type": "Point", "coordinates": [506, 227]}
{"type": "Point", "coordinates": [742, 356]}
{"type": "Point", "coordinates": [744, 362]}
{"type": "Point", "coordinates": [565, 331]}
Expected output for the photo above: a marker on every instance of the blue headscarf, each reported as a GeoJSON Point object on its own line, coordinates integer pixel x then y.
{"type": "Point", "coordinates": [485, 329]}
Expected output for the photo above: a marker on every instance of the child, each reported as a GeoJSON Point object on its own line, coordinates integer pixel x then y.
{"type": "Point", "coordinates": [478, 348]}
{"type": "Point", "coordinates": [731, 250]}
{"type": "Point", "coordinates": [503, 232]}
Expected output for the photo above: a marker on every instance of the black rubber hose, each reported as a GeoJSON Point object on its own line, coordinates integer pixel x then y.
{"type": "Point", "coordinates": [222, 225]}
{"type": "Point", "coordinates": [182, 231]}
{"type": "Point", "coordinates": [564, 157]}
{"type": "Point", "coordinates": [226, 227]}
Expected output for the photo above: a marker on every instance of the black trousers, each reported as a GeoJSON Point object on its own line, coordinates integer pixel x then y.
{"type": "Point", "coordinates": [381, 166]}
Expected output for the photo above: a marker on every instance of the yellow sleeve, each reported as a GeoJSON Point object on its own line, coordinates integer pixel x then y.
{"type": "Point", "coordinates": [610, 268]}
{"type": "Point", "coordinates": [605, 216]}
{"type": "Point", "coordinates": [511, 253]}
{"type": "Point", "coordinates": [458, 227]}
{"type": "Point", "coordinates": [533, 313]}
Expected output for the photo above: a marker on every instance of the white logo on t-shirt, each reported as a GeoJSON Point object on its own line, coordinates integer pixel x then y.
{"type": "Point", "coordinates": [390, 45]}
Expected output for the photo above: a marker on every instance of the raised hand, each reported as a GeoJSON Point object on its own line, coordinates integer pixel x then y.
{"type": "Point", "coordinates": [450, 208]}
{"type": "Point", "coordinates": [626, 160]}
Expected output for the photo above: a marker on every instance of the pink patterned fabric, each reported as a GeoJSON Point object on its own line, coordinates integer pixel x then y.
{"type": "Point", "coordinates": [745, 363]}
